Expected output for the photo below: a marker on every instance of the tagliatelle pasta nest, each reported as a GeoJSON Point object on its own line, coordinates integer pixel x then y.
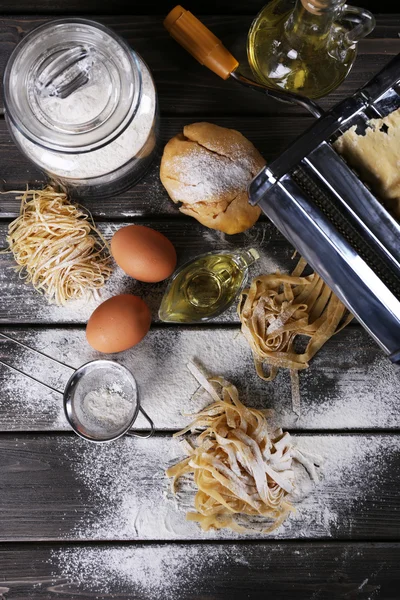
{"type": "Point", "coordinates": [53, 246]}
{"type": "Point", "coordinates": [277, 308]}
{"type": "Point", "coordinates": [239, 469]}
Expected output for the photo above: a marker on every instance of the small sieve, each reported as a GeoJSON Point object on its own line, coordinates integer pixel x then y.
{"type": "Point", "coordinates": [102, 374]}
{"type": "Point", "coordinates": [96, 375]}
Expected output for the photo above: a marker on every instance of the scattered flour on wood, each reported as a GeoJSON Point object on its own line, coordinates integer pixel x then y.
{"type": "Point", "coordinates": [124, 485]}
{"type": "Point", "coordinates": [24, 402]}
{"type": "Point", "coordinates": [355, 386]}
{"type": "Point", "coordinates": [28, 406]}
{"type": "Point", "coordinates": [343, 388]}
{"type": "Point", "coordinates": [353, 468]}
{"type": "Point", "coordinates": [154, 571]}
{"type": "Point", "coordinates": [126, 491]}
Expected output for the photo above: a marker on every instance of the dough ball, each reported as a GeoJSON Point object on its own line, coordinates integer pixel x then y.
{"type": "Point", "coordinates": [207, 170]}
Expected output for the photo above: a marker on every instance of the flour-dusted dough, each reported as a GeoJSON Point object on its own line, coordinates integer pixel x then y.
{"type": "Point", "coordinates": [207, 169]}
{"type": "Point", "coordinates": [376, 156]}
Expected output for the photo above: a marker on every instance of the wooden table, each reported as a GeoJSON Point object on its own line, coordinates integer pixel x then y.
{"type": "Point", "coordinates": [82, 521]}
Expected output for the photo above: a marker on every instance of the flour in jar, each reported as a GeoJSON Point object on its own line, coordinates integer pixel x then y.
{"type": "Point", "coordinates": [108, 406]}
{"type": "Point", "coordinates": [137, 142]}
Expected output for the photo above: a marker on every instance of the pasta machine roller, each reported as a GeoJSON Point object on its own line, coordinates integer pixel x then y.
{"type": "Point", "coordinates": [333, 219]}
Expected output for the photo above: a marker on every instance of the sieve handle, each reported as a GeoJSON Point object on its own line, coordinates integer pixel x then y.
{"type": "Point", "coordinates": [146, 435]}
{"type": "Point", "coordinates": [49, 387]}
{"type": "Point", "coordinates": [11, 339]}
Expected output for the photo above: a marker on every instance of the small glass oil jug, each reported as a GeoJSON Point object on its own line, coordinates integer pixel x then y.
{"type": "Point", "coordinates": [206, 286]}
{"type": "Point", "coordinates": [306, 46]}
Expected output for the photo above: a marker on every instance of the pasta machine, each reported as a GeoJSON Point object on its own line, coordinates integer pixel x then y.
{"type": "Point", "coordinates": [333, 219]}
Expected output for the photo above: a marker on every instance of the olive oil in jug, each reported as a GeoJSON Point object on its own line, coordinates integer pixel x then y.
{"type": "Point", "coordinates": [206, 286]}
{"type": "Point", "coordinates": [308, 46]}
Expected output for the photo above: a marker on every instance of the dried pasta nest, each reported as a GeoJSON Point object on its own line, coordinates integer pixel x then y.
{"type": "Point", "coordinates": [57, 247]}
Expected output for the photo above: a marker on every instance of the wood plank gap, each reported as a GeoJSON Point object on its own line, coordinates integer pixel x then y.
{"type": "Point", "coordinates": [211, 325]}
{"type": "Point", "coordinates": [193, 118]}
{"type": "Point", "coordinates": [123, 10]}
{"type": "Point", "coordinates": [167, 433]}
{"type": "Point", "coordinates": [321, 542]}
{"type": "Point", "coordinates": [110, 542]}
{"type": "Point", "coordinates": [211, 117]}
{"type": "Point", "coordinates": [63, 12]}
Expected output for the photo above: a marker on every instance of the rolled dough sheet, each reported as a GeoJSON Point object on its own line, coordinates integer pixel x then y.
{"type": "Point", "coordinates": [376, 157]}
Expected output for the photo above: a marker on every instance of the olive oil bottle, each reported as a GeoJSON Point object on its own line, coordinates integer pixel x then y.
{"type": "Point", "coordinates": [206, 286]}
{"type": "Point", "coordinates": [308, 46]}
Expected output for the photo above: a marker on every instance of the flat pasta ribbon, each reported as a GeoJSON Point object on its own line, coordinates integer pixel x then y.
{"type": "Point", "coordinates": [277, 308]}
{"type": "Point", "coordinates": [239, 469]}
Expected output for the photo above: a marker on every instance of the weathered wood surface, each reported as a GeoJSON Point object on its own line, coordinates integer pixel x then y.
{"type": "Point", "coordinates": [56, 487]}
{"type": "Point", "coordinates": [350, 383]}
{"type": "Point", "coordinates": [250, 7]}
{"type": "Point", "coordinates": [148, 198]}
{"type": "Point", "coordinates": [186, 572]}
{"type": "Point", "coordinates": [61, 487]}
{"type": "Point", "coordinates": [205, 93]}
{"type": "Point", "coordinates": [20, 303]}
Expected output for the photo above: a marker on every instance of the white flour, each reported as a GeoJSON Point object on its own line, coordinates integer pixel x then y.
{"type": "Point", "coordinates": [350, 383]}
{"type": "Point", "coordinates": [126, 501]}
{"type": "Point", "coordinates": [202, 177]}
{"type": "Point", "coordinates": [126, 489]}
{"type": "Point", "coordinates": [137, 141]}
{"type": "Point", "coordinates": [108, 406]}
{"type": "Point", "coordinates": [124, 483]}
{"type": "Point", "coordinates": [154, 572]}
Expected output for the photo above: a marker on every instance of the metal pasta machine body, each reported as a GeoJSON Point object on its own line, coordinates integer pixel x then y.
{"type": "Point", "coordinates": [334, 219]}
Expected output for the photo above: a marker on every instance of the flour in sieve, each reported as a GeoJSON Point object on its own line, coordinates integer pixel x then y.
{"type": "Point", "coordinates": [108, 406]}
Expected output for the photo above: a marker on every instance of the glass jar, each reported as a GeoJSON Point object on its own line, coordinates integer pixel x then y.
{"type": "Point", "coordinates": [82, 106]}
{"type": "Point", "coordinates": [306, 46]}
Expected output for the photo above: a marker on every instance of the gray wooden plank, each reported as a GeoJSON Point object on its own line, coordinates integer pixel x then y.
{"type": "Point", "coordinates": [148, 198]}
{"type": "Point", "coordinates": [185, 571]}
{"type": "Point", "coordinates": [251, 7]}
{"type": "Point", "coordinates": [350, 384]}
{"type": "Point", "coordinates": [20, 303]}
{"type": "Point", "coordinates": [204, 91]}
{"type": "Point", "coordinates": [60, 487]}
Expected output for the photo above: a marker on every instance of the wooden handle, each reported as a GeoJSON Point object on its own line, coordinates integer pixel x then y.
{"type": "Point", "coordinates": [190, 33]}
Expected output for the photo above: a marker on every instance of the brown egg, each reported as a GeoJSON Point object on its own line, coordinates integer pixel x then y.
{"type": "Point", "coordinates": [118, 324]}
{"type": "Point", "coordinates": [143, 253]}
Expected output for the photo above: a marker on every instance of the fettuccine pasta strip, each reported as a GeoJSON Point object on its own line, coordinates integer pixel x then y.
{"type": "Point", "coordinates": [277, 308]}
{"type": "Point", "coordinates": [239, 469]}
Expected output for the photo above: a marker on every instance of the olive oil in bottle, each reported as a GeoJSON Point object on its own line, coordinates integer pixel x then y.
{"type": "Point", "coordinates": [308, 46]}
{"type": "Point", "coordinates": [206, 286]}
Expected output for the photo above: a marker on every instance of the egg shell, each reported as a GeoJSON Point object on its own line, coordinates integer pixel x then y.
{"type": "Point", "coordinates": [118, 324]}
{"type": "Point", "coordinates": [143, 253]}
